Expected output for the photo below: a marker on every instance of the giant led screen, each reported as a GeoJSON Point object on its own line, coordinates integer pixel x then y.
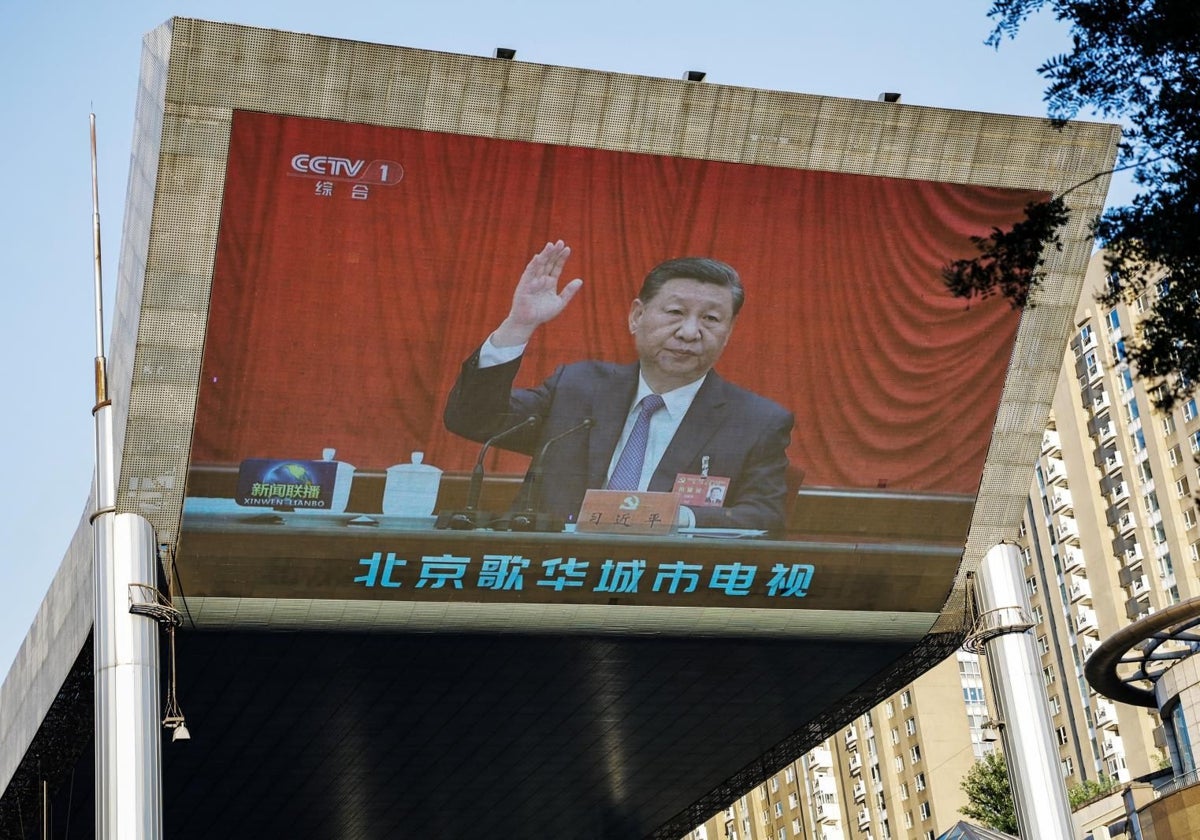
{"type": "Point", "coordinates": [407, 394]}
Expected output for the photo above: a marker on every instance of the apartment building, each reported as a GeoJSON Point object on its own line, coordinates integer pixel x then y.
{"type": "Point", "coordinates": [891, 773]}
{"type": "Point", "coordinates": [1110, 534]}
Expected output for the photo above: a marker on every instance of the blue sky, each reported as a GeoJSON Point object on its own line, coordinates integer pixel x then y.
{"type": "Point", "coordinates": [59, 61]}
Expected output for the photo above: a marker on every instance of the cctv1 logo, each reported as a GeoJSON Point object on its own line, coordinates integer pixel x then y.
{"type": "Point", "coordinates": [382, 172]}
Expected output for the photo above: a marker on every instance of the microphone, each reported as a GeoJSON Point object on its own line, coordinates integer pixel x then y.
{"type": "Point", "coordinates": [529, 519]}
{"type": "Point", "coordinates": [466, 519]}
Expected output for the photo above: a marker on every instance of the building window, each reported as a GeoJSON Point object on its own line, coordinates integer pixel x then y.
{"type": "Point", "coordinates": [1144, 473]}
{"type": "Point", "coordinates": [895, 735]}
{"type": "Point", "coordinates": [1189, 410]}
{"type": "Point", "coordinates": [1194, 441]}
{"type": "Point", "coordinates": [1150, 501]}
{"type": "Point", "coordinates": [914, 753]}
{"type": "Point", "coordinates": [1114, 320]}
{"type": "Point", "coordinates": [1043, 644]}
{"type": "Point", "coordinates": [1168, 425]}
{"type": "Point", "coordinates": [904, 791]}
{"type": "Point", "coordinates": [1038, 616]}
{"type": "Point", "coordinates": [1055, 706]}
{"type": "Point", "coordinates": [1061, 734]}
{"type": "Point", "coordinates": [910, 726]}
{"type": "Point", "coordinates": [1131, 408]}
{"type": "Point", "coordinates": [1031, 585]}
{"type": "Point", "coordinates": [908, 819]}
{"type": "Point", "coordinates": [898, 761]}
{"type": "Point", "coordinates": [1189, 518]}
{"type": "Point", "coordinates": [1068, 766]}
{"type": "Point", "coordinates": [1194, 552]}
{"type": "Point", "coordinates": [920, 781]}
{"type": "Point", "coordinates": [1182, 488]}
{"type": "Point", "coordinates": [1174, 455]}
{"type": "Point", "coordinates": [905, 698]}
{"type": "Point", "coordinates": [1048, 675]}
{"type": "Point", "coordinates": [890, 708]}
{"type": "Point", "coordinates": [774, 784]}
{"type": "Point", "coordinates": [790, 774]}
{"type": "Point", "coordinates": [779, 809]}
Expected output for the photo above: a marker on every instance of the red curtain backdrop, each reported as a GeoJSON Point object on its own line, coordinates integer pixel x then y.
{"type": "Point", "coordinates": [341, 322]}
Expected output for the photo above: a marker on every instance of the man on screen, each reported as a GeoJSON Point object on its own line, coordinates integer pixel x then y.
{"type": "Point", "coordinates": [669, 414]}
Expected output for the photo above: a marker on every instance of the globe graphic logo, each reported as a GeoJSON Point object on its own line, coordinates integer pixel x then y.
{"type": "Point", "coordinates": [290, 473]}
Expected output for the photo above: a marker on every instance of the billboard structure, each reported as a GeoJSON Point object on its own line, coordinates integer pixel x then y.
{"type": "Point", "coordinates": [357, 266]}
{"type": "Point", "coordinates": [319, 234]}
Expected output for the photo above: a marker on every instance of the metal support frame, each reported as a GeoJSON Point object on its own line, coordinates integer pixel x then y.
{"type": "Point", "coordinates": [1014, 669]}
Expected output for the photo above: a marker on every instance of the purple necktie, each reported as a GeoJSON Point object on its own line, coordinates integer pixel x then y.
{"type": "Point", "coordinates": [628, 471]}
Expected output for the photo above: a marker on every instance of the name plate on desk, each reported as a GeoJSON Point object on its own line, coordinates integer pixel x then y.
{"type": "Point", "coordinates": [628, 512]}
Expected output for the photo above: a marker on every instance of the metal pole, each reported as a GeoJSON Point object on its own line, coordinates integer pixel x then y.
{"type": "Point", "coordinates": [125, 646]}
{"type": "Point", "coordinates": [1014, 669]}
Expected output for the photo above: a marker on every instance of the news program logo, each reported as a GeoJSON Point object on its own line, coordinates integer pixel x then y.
{"type": "Point", "coordinates": [357, 170]}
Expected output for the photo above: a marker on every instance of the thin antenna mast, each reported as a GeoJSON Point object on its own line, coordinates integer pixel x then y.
{"type": "Point", "coordinates": [101, 366]}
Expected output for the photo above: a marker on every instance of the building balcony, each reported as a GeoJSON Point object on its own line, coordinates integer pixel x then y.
{"type": "Point", "coordinates": [1088, 645]}
{"type": "Point", "coordinates": [827, 812]}
{"type": "Point", "coordinates": [1111, 746]}
{"type": "Point", "coordinates": [1139, 586]}
{"type": "Point", "coordinates": [1106, 713]}
{"type": "Point", "coordinates": [1113, 461]}
{"type": "Point", "coordinates": [1072, 558]}
{"type": "Point", "coordinates": [1060, 500]}
{"type": "Point", "coordinates": [1068, 530]}
{"type": "Point", "coordinates": [1106, 431]}
{"type": "Point", "coordinates": [1100, 402]}
{"type": "Point", "coordinates": [855, 763]}
{"type": "Point", "coordinates": [1119, 494]}
{"type": "Point", "coordinates": [819, 758]}
{"type": "Point", "coordinates": [860, 791]}
{"type": "Point", "coordinates": [1051, 443]}
{"type": "Point", "coordinates": [1078, 588]}
{"type": "Point", "coordinates": [1126, 524]}
{"type": "Point", "coordinates": [851, 737]}
{"type": "Point", "coordinates": [1137, 607]}
{"type": "Point", "coordinates": [864, 818]}
{"type": "Point", "coordinates": [1056, 471]}
{"type": "Point", "coordinates": [1085, 620]}
{"type": "Point", "coordinates": [826, 786]}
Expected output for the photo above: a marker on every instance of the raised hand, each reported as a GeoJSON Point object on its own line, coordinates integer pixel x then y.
{"type": "Point", "coordinates": [537, 298]}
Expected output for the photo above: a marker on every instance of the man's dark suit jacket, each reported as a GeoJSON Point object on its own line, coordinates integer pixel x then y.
{"type": "Point", "coordinates": [744, 435]}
